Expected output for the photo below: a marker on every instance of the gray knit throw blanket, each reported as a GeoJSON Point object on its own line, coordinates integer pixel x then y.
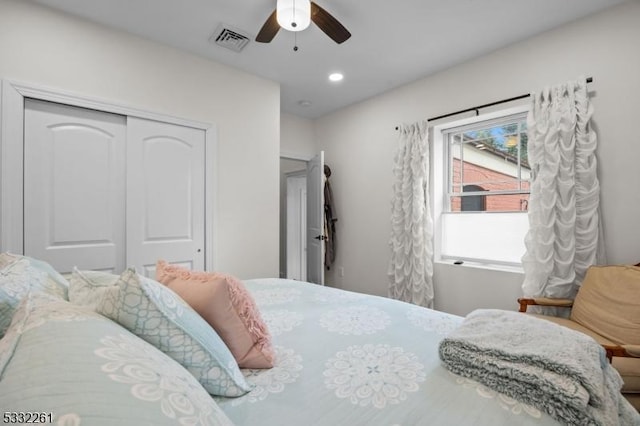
{"type": "Point", "coordinates": [557, 370]}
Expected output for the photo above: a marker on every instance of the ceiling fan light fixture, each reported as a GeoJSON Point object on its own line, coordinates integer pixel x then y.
{"type": "Point", "coordinates": [293, 15]}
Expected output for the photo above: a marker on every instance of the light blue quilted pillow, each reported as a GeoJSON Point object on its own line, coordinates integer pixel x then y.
{"type": "Point", "coordinates": [84, 369]}
{"type": "Point", "coordinates": [21, 274]}
{"type": "Point", "coordinates": [16, 264]}
{"type": "Point", "coordinates": [8, 305]}
{"type": "Point", "coordinates": [156, 314]}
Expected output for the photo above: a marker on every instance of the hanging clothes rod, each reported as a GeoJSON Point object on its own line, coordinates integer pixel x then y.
{"type": "Point", "coordinates": [476, 108]}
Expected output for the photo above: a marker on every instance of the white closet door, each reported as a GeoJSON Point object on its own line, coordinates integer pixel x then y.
{"type": "Point", "coordinates": [165, 195]}
{"type": "Point", "coordinates": [74, 193]}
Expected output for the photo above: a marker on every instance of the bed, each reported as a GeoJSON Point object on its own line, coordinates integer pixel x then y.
{"type": "Point", "coordinates": [338, 358]}
{"type": "Point", "coordinates": [353, 359]}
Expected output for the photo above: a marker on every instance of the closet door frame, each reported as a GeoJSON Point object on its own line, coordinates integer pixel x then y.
{"type": "Point", "coordinates": [12, 96]}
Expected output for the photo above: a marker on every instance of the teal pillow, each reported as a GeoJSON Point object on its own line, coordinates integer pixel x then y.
{"type": "Point", "coordinates": [66, 360]}
{"type": "Point", "coordinates": [156, 314]}
{"type": "Point", "coordinates": [21, 274]}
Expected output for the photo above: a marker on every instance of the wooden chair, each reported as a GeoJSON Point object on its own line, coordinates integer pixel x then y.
{"type": "Point", "coordinates": [607, 308]}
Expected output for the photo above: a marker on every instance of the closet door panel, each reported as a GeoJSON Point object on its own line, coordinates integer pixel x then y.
{"type": "Point", "coordinates": [74, 189]}
{"type": "Point", "coordinates": [165, 194]}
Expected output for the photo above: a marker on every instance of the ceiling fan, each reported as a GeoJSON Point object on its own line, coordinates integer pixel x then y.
{"type": "Point", "coordinates": [295, 15]}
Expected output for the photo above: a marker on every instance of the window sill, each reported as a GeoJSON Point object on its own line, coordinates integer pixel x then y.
{"type": "Point", "coordinates": [479, 265]}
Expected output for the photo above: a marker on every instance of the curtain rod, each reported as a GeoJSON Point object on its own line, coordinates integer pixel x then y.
{"type": "Point", "coordinates": [476, 108]}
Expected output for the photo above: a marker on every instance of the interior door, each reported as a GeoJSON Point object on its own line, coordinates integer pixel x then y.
{"type": "Point", "coordinates": [315, 219]}
{"type": "Point", "coordinates": [74, 187]}
{"type": "Point", "coordinates": [297, 226]}
{"type": "Point", "coordinates": [165, 195]}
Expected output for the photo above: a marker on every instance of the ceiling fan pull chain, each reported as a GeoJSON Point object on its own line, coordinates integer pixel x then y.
{"type": "Point", "coordinates": [295, 42]}
{"type": "Point", "coordinates": [293, 15]}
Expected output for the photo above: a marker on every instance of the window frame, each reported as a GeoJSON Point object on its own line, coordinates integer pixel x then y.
{"type": "Point", "coordinates": [511, 118]}
{"type": "Point", "coordinates": [440, 190]}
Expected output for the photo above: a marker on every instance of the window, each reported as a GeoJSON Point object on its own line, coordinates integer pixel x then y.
{"type": "Point", "coordinates": [488, 160]}
{"type": "Point", "coordinates": [481, 188]}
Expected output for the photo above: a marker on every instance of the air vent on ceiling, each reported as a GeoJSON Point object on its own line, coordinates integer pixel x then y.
{"type": "Point", "coordinates": [232, 39]}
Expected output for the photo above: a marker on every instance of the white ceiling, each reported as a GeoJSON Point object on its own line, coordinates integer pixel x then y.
{"type": "Point", "coordinates": [392, 42]}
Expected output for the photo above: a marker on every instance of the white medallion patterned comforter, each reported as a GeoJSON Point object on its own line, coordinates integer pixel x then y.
{"type": "Point", "coordinates": [350, 359]}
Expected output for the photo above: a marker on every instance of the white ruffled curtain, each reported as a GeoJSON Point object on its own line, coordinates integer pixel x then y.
{"type": "Point", "coordinates": [564, 232]}
{"type": "Point", "coordinates": [411, 267]}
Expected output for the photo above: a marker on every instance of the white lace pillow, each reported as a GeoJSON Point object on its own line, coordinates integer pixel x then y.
{"type": "Point", "coordinates": [86, 288]}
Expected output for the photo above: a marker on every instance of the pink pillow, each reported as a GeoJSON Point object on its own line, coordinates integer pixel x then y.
{"type": "Point", "coordinates": [224, 302]}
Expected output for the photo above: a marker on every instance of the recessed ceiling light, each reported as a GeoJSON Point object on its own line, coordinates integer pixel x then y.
{"type": "Point", "coordinates": [304, 103]}
{"type": "Point", "coordinates": [335, 77]}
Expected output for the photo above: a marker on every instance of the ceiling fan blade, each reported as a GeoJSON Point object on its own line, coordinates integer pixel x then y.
{"type": "Point", "coordinates": [328, 24]}
{"type": "Point", "coordinates": [269, 29]}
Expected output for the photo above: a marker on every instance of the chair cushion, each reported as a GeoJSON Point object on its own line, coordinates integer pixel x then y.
{"type": "Point", "coordinates": [575, 326]}
{"type": "Point", "coordinates": [607, 303]}
{"type": "Point", "coordinates": [629, 368]}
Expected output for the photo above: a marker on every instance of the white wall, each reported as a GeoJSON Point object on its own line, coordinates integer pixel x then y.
{"type": "Point", "coordinates": [43, 47]}
{"type": "Point", "coordinates": [297, 137]}
{"type": "Point", "coordinates": [360, 142]}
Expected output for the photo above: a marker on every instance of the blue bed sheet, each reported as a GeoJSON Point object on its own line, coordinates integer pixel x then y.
{"type": "Point", "coordinates": [345, 358]}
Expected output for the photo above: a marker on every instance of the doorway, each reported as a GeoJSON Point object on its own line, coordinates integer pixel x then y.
{"type": "Point", "coordinates": [296, 247]}
{"type": "Point", "coordinates": [302, 239]}
{"type": "Point", "coordinates": [294, 172]}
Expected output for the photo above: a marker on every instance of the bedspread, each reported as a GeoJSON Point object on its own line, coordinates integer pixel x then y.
{"type": "Point", "coordinates": [345, 358]}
